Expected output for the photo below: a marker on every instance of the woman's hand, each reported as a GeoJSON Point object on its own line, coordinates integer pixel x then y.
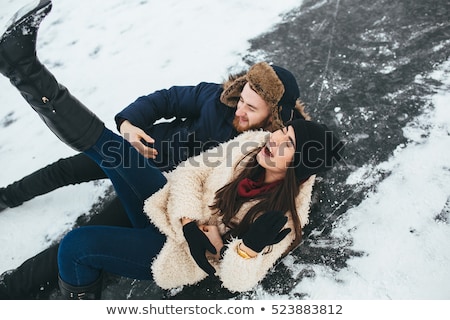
{"type": "Point", "coordinates": [212, 232]}
{"type": "Point", "coordinates": [199, 244]}
{"type": "Point", "coordinates": [266, 230]}
{"type": "Point", "coordinates": [138, 138]}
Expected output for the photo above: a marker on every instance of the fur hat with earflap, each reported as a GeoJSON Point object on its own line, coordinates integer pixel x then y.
{"type": "Point", "coordinates": [275, 85]}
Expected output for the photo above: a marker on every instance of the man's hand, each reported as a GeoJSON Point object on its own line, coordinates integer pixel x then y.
{"type": "Point", "coordinates": [138, 139]}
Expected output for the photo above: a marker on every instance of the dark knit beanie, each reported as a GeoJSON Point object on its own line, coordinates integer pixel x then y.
{"type": "Point", "coordinates": [291, 92]}
{"type": "Point", "coordinates": [317, 148]}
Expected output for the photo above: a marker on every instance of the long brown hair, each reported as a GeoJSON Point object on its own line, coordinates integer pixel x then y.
{"type": "Point", "coordinates": [227, 202]}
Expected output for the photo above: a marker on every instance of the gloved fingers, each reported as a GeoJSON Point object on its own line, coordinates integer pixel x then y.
{"type": "Point", "coordinates": [203, 263]}
{"type": "Point", "coordinates": [198, 243]}
{"type": "Point", "coordinates": [196, 237]}
{"type": "Point", "coordinates": [279, 223]}
{"type": "Point", "coordinates": [206, 243]}
{"type": "Point", "coordinates": [269, 218]}
{"type": "Point", "coordinates": [282, 235]}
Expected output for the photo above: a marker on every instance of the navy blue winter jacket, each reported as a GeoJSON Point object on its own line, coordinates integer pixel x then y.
{"type": "Point", "coordinates": [198, 121]}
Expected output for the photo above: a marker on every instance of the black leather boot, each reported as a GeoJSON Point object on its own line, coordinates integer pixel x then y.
{"type": "Point", "coordinates": [3, 200]}
{"type": "Point", "coordinates": [36, 278]}
{"type": "Point", "coordinates": [66, 117]}
{"type": "Point", "coordinates": [66, 171]}
{"type": "Point", "coordinates": [90, 292]}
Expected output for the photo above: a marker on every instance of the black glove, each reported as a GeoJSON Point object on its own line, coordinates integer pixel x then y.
{"type": "Point", "coordinates": [266, 230]}
{"type": "Point", "coordinates": [198, 244]}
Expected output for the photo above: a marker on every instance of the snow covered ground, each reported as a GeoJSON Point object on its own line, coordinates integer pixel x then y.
{"type": "Point", "coordinates": [403, 226]}
{"type": "Point", "coordinates": [110, 52]}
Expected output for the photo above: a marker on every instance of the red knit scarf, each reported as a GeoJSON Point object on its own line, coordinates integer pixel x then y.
{"type": "Point", "coordinates": [248, 188]}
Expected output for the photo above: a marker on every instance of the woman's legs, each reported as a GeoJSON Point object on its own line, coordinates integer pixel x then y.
{"type": "Point", "coordinates": [85, 252]}
{"type": "Point", "coordinates": [37, 277]}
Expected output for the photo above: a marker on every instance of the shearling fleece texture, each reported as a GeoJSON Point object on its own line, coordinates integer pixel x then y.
{"type": "Point", "coordinates": [189, 191]}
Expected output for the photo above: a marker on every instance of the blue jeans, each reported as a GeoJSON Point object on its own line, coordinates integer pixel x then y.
{"type": "Point", "coordinates": [87, 251]}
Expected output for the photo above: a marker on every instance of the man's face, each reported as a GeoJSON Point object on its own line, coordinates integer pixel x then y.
{"type": "Point", "coordinates": [252, 111]}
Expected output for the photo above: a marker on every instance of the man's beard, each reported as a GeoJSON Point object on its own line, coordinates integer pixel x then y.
{"type": "Point", "coordinates": [261, 125]}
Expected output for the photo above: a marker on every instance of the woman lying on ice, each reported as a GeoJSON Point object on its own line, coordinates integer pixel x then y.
{"type": "Point", "coordinates": [232, 211]}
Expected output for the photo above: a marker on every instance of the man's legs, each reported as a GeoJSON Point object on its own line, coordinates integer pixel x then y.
{"type": "Point", "coordinates": [72, 170]}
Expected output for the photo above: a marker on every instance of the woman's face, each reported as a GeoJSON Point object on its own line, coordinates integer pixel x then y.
{"type": "Point", "coordinates": [278, 153]}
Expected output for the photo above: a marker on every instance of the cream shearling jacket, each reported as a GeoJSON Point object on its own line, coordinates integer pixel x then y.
{"type": "Point", "coordinates": [189, 191]}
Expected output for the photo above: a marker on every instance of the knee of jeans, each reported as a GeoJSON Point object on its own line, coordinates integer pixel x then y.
{"type": "Point", "coordinates": [74, 246]}
{"type": "Point", "coordinates": [72, 243]}
{"type": "Point", "coordinates": [68, 242]}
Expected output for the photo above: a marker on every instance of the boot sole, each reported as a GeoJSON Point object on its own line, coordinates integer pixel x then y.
{"type": "Point", "coordinates": [37, 10]}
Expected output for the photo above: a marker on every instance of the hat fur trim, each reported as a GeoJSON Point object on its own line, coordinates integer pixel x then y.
{"type": "Point", "coordinates": [265, 82]}
{"type": "Point", "coordinates": [261, 78]}
{"type": "Point", "coordinates": [232, 90]}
